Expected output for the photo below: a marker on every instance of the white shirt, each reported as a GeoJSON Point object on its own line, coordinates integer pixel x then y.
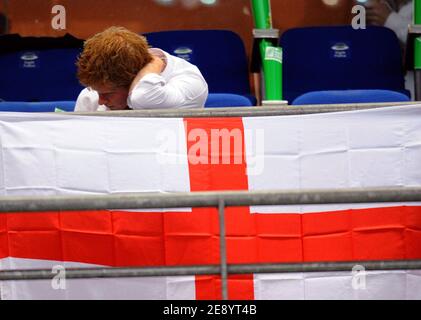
{"type": "Point", "coordinates": [399, 21]}
{"type": "Point", "coordinates": [180, 85]}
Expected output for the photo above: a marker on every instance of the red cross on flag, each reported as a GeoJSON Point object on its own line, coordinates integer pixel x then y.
{"type": "Point", "coordinates": [68, 155]}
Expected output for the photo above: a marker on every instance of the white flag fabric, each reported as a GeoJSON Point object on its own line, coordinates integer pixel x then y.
{"type": "Point", "coordinates": [43, 154]}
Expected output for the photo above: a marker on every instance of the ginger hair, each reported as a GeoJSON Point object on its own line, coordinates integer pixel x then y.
{"type": "Point", "coordinates": [112, 57]}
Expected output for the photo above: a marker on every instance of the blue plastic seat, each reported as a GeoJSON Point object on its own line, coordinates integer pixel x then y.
{"type": "Point", "coordinates": [47, 106]}
{"type": "Point", "coordinates": [340, 58]}
{"type": "Point", "coordinates": [220, 100]}
{"type": "Point", "coordinates": [219, 54]}
{"type": "Point", "coordinates": [39, 69]}
{"type": "Point", "coordinates": [350, 96]}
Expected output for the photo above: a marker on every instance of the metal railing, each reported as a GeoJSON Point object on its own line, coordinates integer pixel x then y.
{"type": "Point", "coordinates": [215, 199]}
{"type": "Point", "coordinates": [208, 199]}
{"type": "Point", "coordinates": [280, 110]}
{"type": "Point", "coordinates": [221, 200]}
{"type": "Point", "coordinates": [135, 272]}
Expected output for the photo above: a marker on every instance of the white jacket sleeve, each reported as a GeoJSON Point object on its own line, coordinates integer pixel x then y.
{"type": "Point", "coordinates": [399, 22]}
{"type": "Point", "coordinates": [87, 101]}
{"type": "Point", "coordinates": [188, 90]}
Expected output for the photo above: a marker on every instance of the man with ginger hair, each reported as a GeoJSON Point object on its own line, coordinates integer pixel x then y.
{"type": "Point", "coordinates": [121, 72]}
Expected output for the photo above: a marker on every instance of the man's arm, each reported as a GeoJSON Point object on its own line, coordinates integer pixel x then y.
{"type": "Point", "coordinates": [154, 67]}
{"type": "Point", "coordinates": [150, 90]}
{"type": "Point", "coordinates": [377, 12]}
{"type": "Point", "coordinates": [399, 21]}
{"type": "Point", "coordinates": [87, 101]}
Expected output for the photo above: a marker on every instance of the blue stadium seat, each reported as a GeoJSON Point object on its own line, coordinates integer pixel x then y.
{"type": "Point", "coordinates": [349, 96]}
{"type": "Point", "coordinates": [219, 54]}
{"type": "Point", "coordinates": [41, 69]}
{"type": "Point", "coordinates": [341, 58]}
{"type": "Point", "coordinates": [48, 106]}
{"type": "Point", "coordinates": [218, 100]}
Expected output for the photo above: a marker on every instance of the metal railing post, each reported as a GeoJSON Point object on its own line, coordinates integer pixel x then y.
{"type": "Point", "coordinates": [223, 249]}
{"type": "Point", "coordinates": [271, 55]}
{"type": "Point", "coordinates": [417, 52]}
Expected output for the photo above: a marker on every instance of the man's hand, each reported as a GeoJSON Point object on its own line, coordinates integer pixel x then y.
{"type": "Point", "coordinates": [377, 12]}
{"type": "Point", "coordinates": [155, 66]}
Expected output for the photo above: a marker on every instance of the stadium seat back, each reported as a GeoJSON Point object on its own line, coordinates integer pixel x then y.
{"type": "Point", "coordinates": [44, 75]}
{"type": "Point", "coordinates": [219, 54]}
{"type": "Point", "coordinates": [46, 106]}
{"type": "Point", "coordinates": [220, 100]}
{"type": "Point", "coordinates": [39, 69]}
{"type": "Point", "coordinates": [350, 96]}
{"type": "Point", "coordinates": [340, 58]}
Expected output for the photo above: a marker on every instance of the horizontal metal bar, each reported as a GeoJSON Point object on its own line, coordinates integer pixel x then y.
{"type": "Point", "coordinates": [85, 273]}
{"type": "Point", "coordinates": [206, 199]}
{"type": "Point", "coordinates": [266, 33]}
{"type": "Point", "coordinates": [414, 29]}
{"type": "Point", "coordinates": [240, 111]}
{"type": "Point", "coordinates": [325, 266]}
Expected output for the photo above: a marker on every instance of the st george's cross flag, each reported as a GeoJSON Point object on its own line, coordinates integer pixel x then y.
{"type": "Point", "coordinates": [55, 154]}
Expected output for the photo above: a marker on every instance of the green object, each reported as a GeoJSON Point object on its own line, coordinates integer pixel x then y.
{"type": "Point", "coordinates": [58, 110]}
{"type": "Point", "coordinates": [417, 56]}
{"type": "Point", "coordinates": [261, 14]}
{"type": "Point", "coordinates": [271, 55]}
{"type": "Point", "coordinates": [272, 70]}
{"type": "Point", "coordinates": [417, 47]}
